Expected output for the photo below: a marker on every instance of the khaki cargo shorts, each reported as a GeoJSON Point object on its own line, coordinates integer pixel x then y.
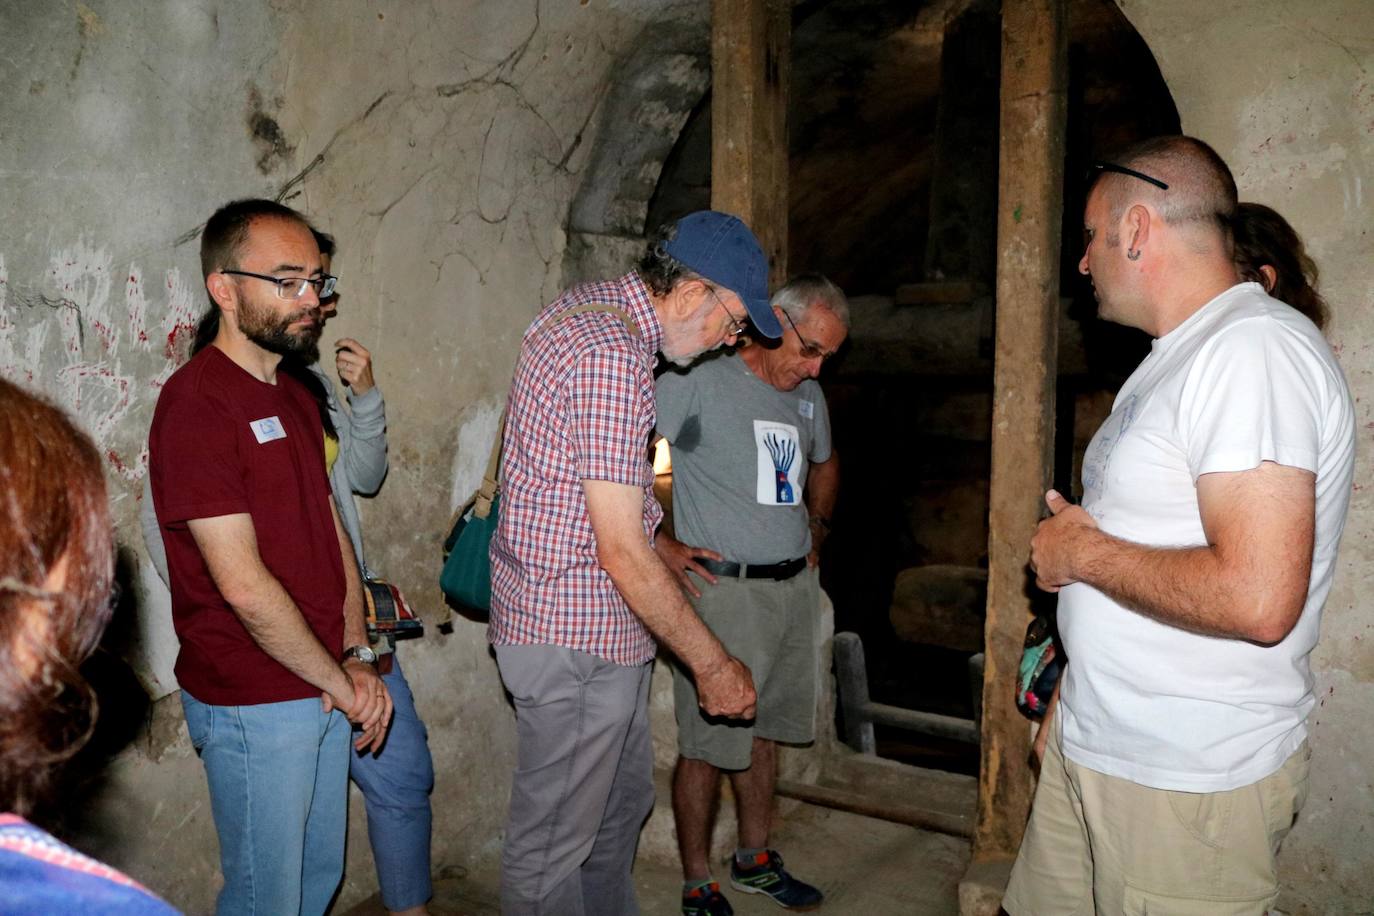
{"type": "Point", "coordinates": [771, 627]}
{"type": "Point", "coordinates": [1100, 844]}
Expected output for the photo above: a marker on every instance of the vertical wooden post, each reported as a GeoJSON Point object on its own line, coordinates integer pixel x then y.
{"type": "Point", "coordinates": [1030, 207]}
{"type": "Point", "coordinates": [961, 238]}
{"type": "Point", "coordinates": [751, 63]}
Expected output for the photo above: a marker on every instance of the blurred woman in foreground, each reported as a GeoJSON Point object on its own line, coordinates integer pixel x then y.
{"type": "Point", "coordinates": [56, 577]}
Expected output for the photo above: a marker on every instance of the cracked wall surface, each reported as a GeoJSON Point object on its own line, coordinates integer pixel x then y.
{"type": "Point", "coordinates": [1285, 92]}
{"type": "Point", "coordinates": [441, 143]}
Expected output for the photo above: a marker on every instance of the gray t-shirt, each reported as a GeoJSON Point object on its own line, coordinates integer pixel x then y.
{"type": "Point", "coordinates": [740, 450]}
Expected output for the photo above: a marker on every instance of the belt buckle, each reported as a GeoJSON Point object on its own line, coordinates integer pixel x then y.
{"type": "Point", "coordinates": [787, 569]}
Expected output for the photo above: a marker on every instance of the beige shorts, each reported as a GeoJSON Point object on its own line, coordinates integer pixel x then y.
{"type": "Point", "coordinates": [771, 627]}
{"type": "Point", "coordinates": [1099, 844]}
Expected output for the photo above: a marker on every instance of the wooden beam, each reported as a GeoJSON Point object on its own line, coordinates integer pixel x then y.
{"type": "Point", "coordinates": [938, 292]}
{"type": "Point", "coordinates": [751, 63]}
{"type": "Point", "coordinates": [864, 804]}
{"type": "Point", "coordinates": [1030, 207]}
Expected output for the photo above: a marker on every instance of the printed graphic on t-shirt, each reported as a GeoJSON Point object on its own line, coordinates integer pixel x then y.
{"type": "Point", "coordinates": [806, 409]}
{"type": "Point", "coordinates": [1098, 459]}
{"type": "Point", "coordinates": [267, 429]}
{"type": "Point", "coordinates": [779, 463]}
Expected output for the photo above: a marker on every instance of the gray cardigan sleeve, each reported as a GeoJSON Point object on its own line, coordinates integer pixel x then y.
{"type": "Point", "coordinates": [361, 465]}
{"type": "Point", "coordinates": [366, 452]}
{"type": "Point", "coordinates": [152, 531]}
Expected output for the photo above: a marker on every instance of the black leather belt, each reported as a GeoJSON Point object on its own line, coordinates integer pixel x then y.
{"type": "Point", "coordinates": [779, 571]}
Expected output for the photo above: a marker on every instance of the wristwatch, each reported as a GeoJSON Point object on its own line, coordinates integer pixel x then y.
{"type": "Point", "coordinates": [363, 654]}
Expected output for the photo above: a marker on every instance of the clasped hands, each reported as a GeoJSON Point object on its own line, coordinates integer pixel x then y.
{"type": "Point", "coordinates": [369, 707]}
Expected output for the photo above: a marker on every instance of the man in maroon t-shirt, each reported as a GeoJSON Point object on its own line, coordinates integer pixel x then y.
{"type": "Point", "coordinates": [266, 597]}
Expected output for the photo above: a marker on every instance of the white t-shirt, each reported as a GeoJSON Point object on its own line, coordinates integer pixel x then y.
{"type": "Point", "coordinates": [1246, 379]}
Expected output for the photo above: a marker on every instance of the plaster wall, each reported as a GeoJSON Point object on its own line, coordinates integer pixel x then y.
{"type": "Point", "coordinates": [1285, 92]}
{"type": "Point", "coordinates": [441, 144]}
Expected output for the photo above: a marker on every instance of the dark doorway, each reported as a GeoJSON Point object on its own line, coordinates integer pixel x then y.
{"type": "Point", "coordinates": [893, 121]}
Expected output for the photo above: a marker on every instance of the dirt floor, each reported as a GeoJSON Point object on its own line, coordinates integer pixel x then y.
{"type": "Point", "coordinates": [865, 867]}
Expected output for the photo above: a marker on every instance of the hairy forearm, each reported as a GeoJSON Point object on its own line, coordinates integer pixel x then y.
{"type": "Point", "coordinates": [652, 593]}
{"type": "Point", "coordinates": [355, 623]}
{"type": "Point", "coordinates": [229, 547]}
{"type": "Point", "coordinates": [823, 486]}
{"type": "Point", "coordinates": [1187, 587]}
{"type": "Point", "coordinates": [355, 618]}
{"type": "Point", "coordinates": [275, 623]}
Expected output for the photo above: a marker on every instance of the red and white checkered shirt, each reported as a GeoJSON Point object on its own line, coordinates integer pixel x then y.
{"type": "Point", "coordinates": [581, 407]}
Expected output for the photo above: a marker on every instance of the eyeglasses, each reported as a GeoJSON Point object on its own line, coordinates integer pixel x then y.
{"type": "Point", "coordinates": [293, 287]}
{"type": "Point", "coordinates": [809, 350]}
{"type": "Point", "coordinates": [737, 326]}
{"type": "Point", "coordinates": [1122, 170]}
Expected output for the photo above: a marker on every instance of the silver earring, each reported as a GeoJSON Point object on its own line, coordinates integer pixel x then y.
{"type": "Point", "coordinates": [1133, 254]}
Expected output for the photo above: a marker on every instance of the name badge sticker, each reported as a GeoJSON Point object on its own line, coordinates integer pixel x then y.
{"type": "Point", "coordinates": [806, 409]}
{"type": "Point", "coordinates": [267, 429]}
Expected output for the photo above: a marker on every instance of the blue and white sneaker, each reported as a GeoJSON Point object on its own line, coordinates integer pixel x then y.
{"type": "Point", "coordinates": [767, 876]}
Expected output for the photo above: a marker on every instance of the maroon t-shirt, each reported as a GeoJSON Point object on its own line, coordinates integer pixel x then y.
{"type": "Point", "coordinates": [224, 443]}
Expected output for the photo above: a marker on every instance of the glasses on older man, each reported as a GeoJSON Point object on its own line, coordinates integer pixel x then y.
{"type": "Point", "coordinates": [293, 287]}
{"type": "Point", "coordinates": [737, 326]}
{"type": "Point", "coordinates": [809, 349]}
{"type": "Point", "coordinates": [1122, 170]}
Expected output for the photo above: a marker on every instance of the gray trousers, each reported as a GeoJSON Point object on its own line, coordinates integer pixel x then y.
{"type": "Point", "coordinates": [583, 782]}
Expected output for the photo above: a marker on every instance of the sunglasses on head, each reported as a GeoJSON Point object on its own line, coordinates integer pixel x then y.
{"type": "Point", "coordinates": [1101, 166]}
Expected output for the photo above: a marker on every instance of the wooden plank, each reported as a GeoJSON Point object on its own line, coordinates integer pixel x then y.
{"type": "Point", "coordinates": [939, 339]}
{"type": "Point", "coordinates": [939, 292]}
{"type": "Point", "coordinates": [1030, 207]}
{"type": "Point", "coordinates": [860, 803]}
{"type": "Point", "coordinates": [922, 723]}
{"type": "Point", "coordinates": [851, 676]}
{"type": "Point", "coordinates": [751, 63]}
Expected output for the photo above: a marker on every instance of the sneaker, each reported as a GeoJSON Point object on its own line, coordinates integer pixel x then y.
{"type": "Point", "coordinates": [767, 876]}
{"type": "Point", "coordinates": [706, 901]}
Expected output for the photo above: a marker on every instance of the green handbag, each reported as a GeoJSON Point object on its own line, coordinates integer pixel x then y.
{"type": "Point", "coordinates": [466, 577]}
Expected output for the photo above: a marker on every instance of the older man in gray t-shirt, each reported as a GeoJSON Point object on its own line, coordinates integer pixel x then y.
{"type": "Point", "coordinates": [754, 484]}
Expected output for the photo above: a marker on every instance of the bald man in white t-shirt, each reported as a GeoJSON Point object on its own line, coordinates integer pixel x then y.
{"type": "Point", "coordinates": [1191, 580]}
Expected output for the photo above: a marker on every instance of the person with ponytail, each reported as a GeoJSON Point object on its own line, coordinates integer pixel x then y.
{"type": "Point", "coordinates": [1270, 252]}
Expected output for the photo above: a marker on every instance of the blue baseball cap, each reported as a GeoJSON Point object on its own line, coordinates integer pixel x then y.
{"type": "Point", "coordinates": [721, 248]}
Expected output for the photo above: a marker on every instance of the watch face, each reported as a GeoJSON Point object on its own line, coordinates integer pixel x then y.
{"type": "Point", "coordinates": [364, 654]}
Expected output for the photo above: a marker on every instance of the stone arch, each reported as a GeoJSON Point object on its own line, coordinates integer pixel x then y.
{"type": "Point", "coordinates": [655, 91]}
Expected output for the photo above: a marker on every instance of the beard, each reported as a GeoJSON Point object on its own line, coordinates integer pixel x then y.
{"type": "Point", "coordinates": [273, 334]}
{"type": "Point", "coordinates": [687, 359]}
{"type": "Point", "coordinates": [675, 339]}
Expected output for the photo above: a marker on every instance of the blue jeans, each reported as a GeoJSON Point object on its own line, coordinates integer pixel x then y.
{"type": "Point", "coordinates": [278, 775]}
{"type": "Point", "coordinates": [396, 786]}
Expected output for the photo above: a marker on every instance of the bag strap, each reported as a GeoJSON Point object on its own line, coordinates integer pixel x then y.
{"type": "Point", "coordinates": [625, 319]}
{"type": "Point", "coordinates": [481, 506]}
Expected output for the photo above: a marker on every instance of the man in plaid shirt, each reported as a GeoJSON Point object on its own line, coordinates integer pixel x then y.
{"type": "Point", "coordinates": [578, 593]}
